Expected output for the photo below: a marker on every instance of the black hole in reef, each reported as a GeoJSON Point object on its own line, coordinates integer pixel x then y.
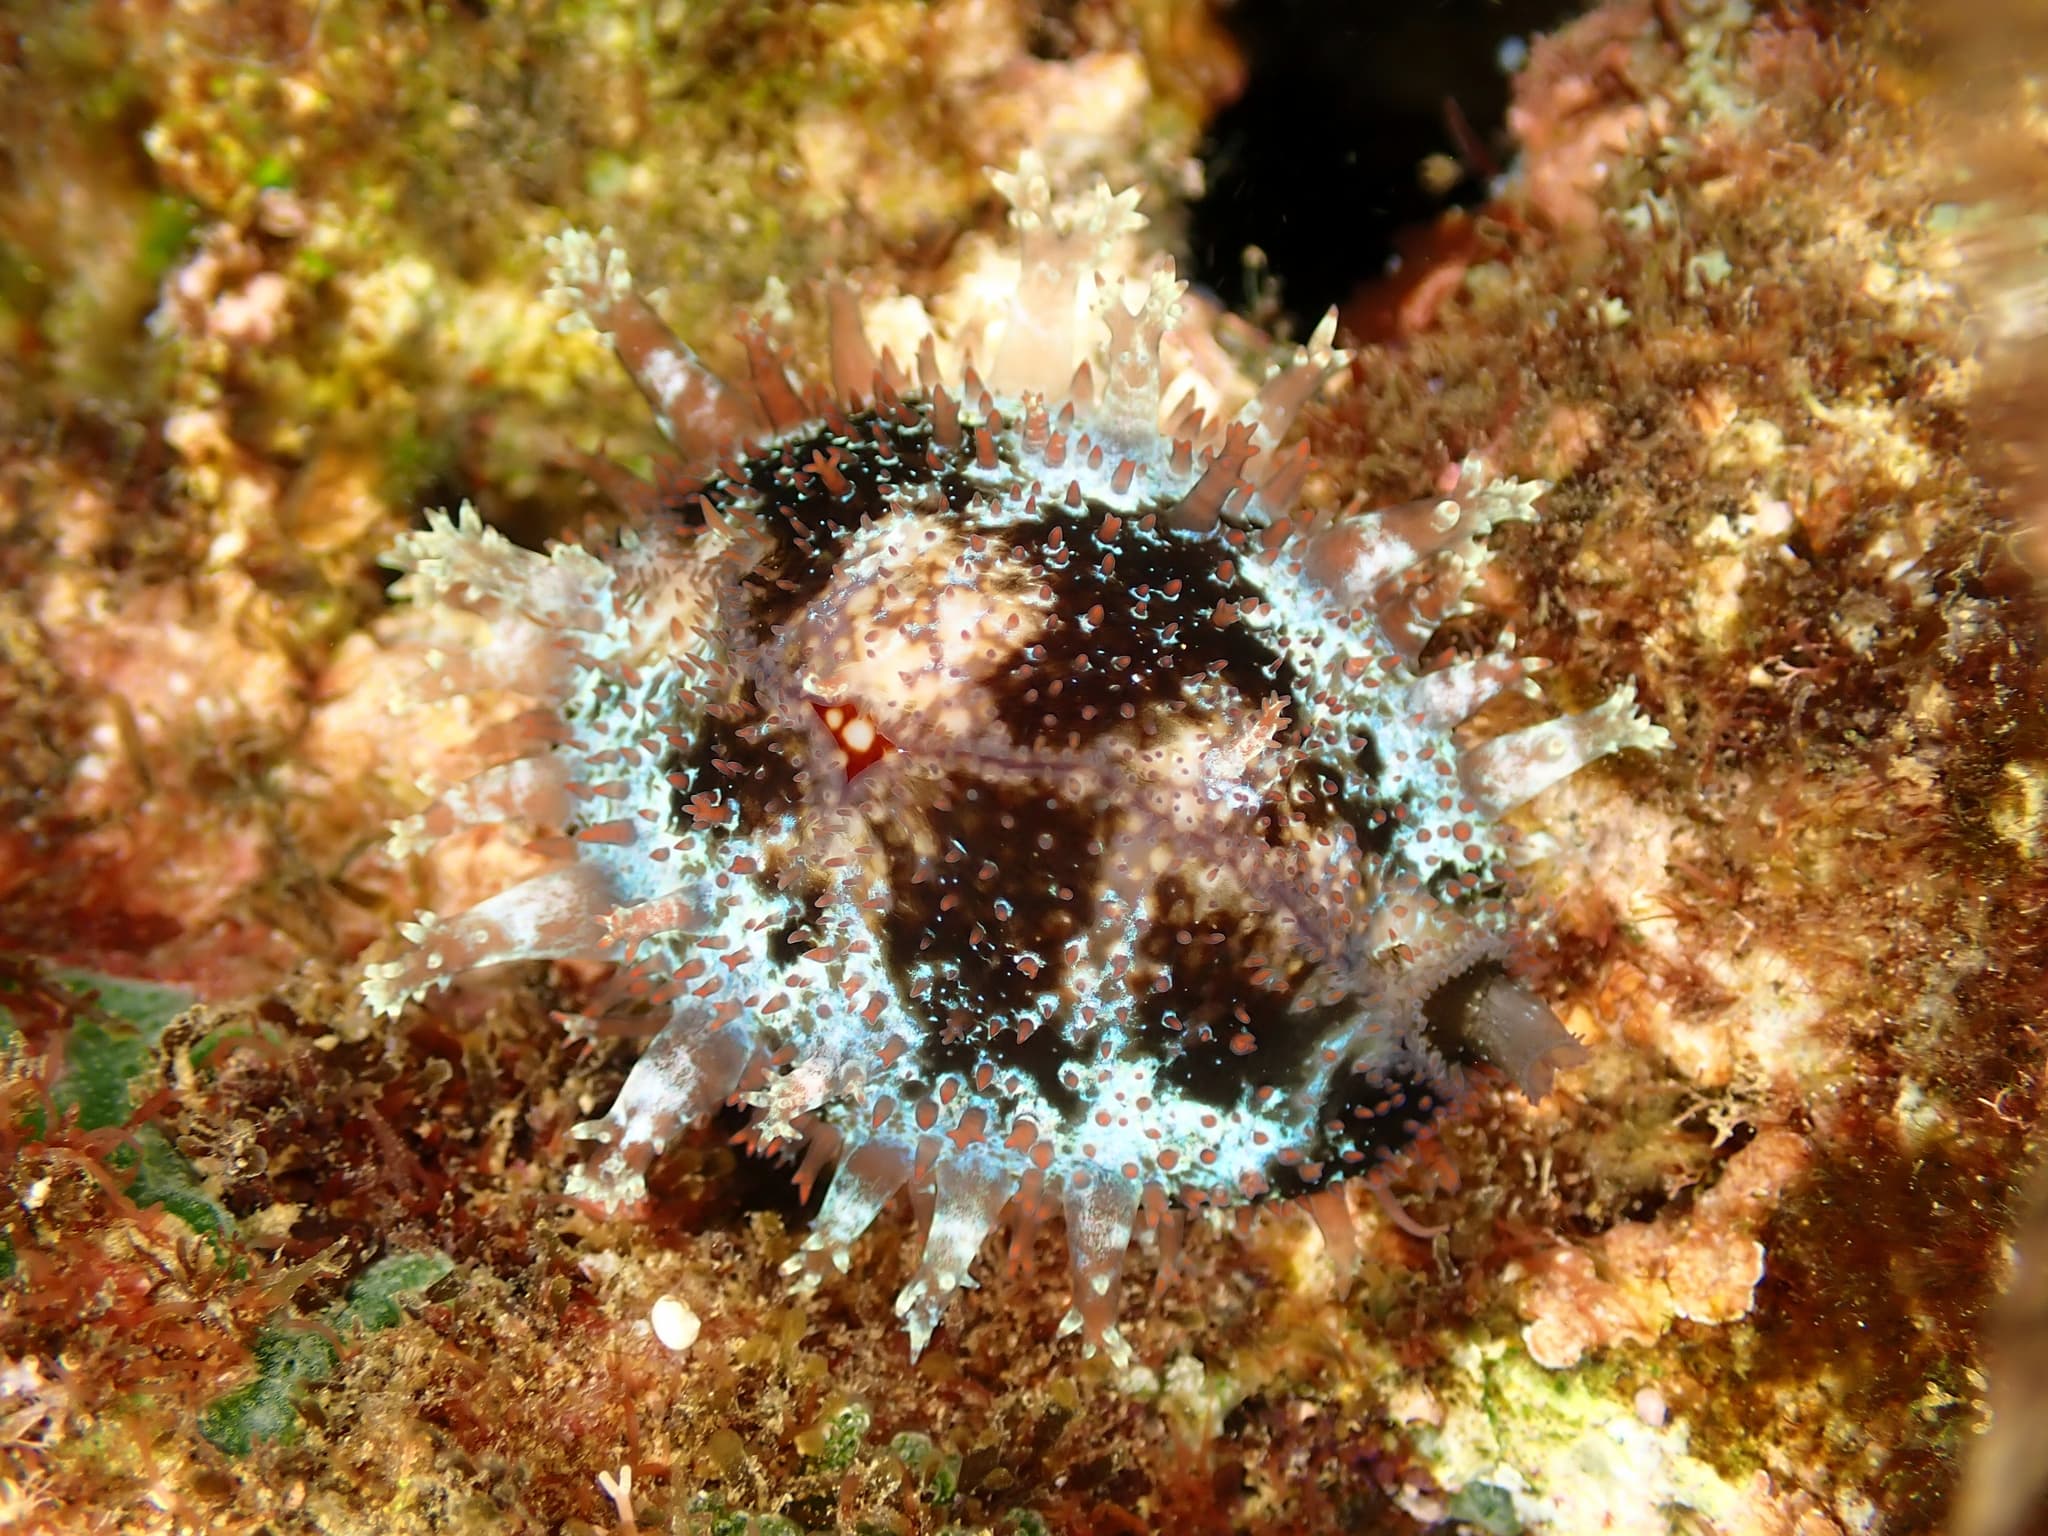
{"type": "Point", "coordinates": [1318, 163]}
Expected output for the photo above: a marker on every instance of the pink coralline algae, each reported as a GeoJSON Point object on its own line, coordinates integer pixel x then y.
{"type": "Point", "coordinates": [999, 783]}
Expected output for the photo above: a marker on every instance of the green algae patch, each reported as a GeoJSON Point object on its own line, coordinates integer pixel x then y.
{"type": "Point", "coordinates": [709, 1515]}
{"type": "Point", "coordinates": [166, 235]}
{"type": "Point", "coordinates": [266, 1409]}
{"type": "Point", "coordinates": [109, 1045]}
{"type": "Point", "coordinates": [101, 1061]}
{"type": "Point", "coordinates": [289, 1357]}
{"type": "Point", "coordinates": [844, 1437]}
{"type": "Point", "coordinates": [108, 1051]}
{"type": "Point", "coordinates": [163, 1178]}
{"type": "Point", "coordinates": [373, 1300]}
{"type": "Point", "coordinates": [1486, 1508]}
{"type": "Point", "coordinates": [258, 1413]}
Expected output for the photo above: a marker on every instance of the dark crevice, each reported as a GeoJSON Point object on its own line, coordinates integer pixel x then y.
{"type": "Point", "coordinates": [1319, 163]}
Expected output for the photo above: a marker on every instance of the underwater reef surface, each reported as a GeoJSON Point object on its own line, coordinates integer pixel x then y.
{"type": "Point", "coordinates": [270, 286]}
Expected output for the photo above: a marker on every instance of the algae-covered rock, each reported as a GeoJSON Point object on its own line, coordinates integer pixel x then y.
{"type": "Point", "coordinates": [270, 286]}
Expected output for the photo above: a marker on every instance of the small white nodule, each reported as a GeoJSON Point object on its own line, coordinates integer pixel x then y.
{"type": "Point", "coordinates": [674, 1323]}
{"type": "Point", "coordinates": [1651, 1407]}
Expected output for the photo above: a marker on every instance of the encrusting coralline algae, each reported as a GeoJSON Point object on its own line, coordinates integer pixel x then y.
{"type": "Point", "coordinates": [1001, 785]}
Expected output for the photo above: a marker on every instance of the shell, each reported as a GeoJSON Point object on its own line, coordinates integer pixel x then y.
{"type": "Point", "coordinates": [995, 784]}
